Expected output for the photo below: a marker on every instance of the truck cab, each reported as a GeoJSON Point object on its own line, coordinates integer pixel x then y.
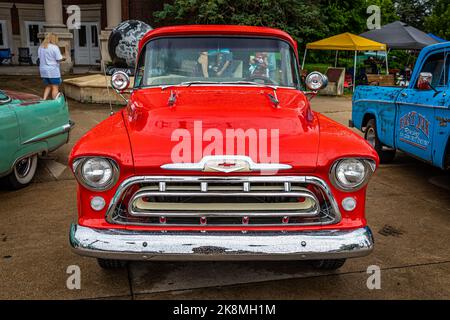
{"type": "Point", "coordinates": [219, 156]}
{"type": "Point", "coordinates": [414, 119]}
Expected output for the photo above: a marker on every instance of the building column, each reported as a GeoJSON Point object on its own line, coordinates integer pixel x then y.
{"type": "Point", "coordinates": [114, 17]}
{"type": "Point", "coordinates": [54, 23]}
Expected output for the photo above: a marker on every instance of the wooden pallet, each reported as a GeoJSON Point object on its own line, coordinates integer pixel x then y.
{"type": "Point", "coordinates": [383, 80]}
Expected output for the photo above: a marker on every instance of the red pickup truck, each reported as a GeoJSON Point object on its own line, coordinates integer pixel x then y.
{"type": "Point", "coordinates": [218, 156]}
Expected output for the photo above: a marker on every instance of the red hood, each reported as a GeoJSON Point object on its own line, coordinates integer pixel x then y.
{"type": "Point", "coordinates": [152, 121]}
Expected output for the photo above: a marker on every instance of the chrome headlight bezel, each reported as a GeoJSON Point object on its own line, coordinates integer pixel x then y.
{"type": "Point", "coordinates": [369, 169]}
{"type": "Point", "coordinates": [78, 171]}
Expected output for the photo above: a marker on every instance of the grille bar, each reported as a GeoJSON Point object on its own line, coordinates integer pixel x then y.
{"type": "Point", "coordinates": [249, 200]}
{"type": "Point", "coordinates": [307, 208]}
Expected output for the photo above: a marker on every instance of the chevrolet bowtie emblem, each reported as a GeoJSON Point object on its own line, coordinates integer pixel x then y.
{"type": "Point", "coordinates": [226, 164]}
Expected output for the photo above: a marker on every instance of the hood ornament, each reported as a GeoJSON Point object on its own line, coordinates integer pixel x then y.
{"type": "Point", "coordinates": [226, 164]}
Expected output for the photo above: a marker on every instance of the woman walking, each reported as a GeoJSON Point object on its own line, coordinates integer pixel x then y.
{"type": "Point", "coordinates": [49, 59]}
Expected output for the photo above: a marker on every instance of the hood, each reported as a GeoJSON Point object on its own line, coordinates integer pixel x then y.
{"type": "Point", "coordinates": [183, 124]}
{"type": "Point", "coordinates": [24, 97]}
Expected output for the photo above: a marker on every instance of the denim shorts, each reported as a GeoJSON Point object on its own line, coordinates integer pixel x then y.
{"type": "Point", "coordinates": [52, 81]}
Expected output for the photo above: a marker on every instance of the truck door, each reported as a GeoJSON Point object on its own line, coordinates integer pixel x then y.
{"type": "Point", "coordinates": [416, 108]}
{"type": "Point", "coordinates": [442, 120]}
{"type": "Point", "coordinates": [9, 134]}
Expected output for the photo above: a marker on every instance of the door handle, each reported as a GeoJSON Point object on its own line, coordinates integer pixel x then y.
{"type": "Point", "coordinates": [404, 94]}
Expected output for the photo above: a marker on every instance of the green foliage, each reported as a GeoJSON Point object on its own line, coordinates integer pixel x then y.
{"type": "Point", "coordinates": [308, 20]}
{"type": "Point", "coordinates": [388, 12]}
{"type": "Point", "coordinates": [305, 20]}
{"type": "Point", "coordinates": [345, 16]}
{"type": "Point", "coordinates": [414, 12]}
{"type": "Point", "coordinates": [439, 21]}
{"type": "Point", "coordinates": [300, 19]}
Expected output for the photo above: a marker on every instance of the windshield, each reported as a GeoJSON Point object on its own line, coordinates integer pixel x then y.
{"type": "Point", "coordinates": [173, 61]}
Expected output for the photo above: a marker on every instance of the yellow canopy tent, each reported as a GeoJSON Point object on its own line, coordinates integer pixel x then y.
{"type": "Point", "coordinates": [348, 42]}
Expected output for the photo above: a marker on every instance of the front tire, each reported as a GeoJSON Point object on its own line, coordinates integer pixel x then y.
{"type": "Point", "coordinates": [370, 134]}
{"type": "Point", "coordinates": [328, 264]}
{"type": "Point", "coordinates": [23, 173]}
{"type": "Point", "coordinates": [110, 264]}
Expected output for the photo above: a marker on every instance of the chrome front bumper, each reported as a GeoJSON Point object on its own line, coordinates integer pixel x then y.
{"type": "Point", "coordinates": [139, 245]}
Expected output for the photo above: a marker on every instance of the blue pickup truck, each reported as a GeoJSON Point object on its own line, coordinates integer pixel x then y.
{"type": "Point", "coordinates": [414, 119]}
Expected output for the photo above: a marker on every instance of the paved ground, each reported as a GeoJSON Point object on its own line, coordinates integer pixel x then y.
{"type": "Point", "coordinates": [408, 209]}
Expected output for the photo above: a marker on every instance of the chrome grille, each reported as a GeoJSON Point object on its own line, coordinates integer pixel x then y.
{"type": "Point", "coordinates": [224, 201]}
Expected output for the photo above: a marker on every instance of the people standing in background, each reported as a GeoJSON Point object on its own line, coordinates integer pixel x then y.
{"type": "Point", "coordinates": [49, 60]}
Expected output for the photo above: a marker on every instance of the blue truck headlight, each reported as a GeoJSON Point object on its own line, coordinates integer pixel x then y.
{"type": "Point", "coordinates": [351, 174]}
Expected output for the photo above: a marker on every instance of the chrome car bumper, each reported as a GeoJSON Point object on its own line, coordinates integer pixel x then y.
{"type": "Point", "coordinates": [139, 245]}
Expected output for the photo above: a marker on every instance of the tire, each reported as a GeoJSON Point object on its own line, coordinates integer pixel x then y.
{"type": "Point", "coordinates": [23, 173]}
{"type": "Point", "coordinates": [111, 264]}
{"type": "Point", "coordinates": [371, 135]}
{"type": "Point", "coordinates": [447, 159]}
{"type": "Point", "coordinates": [328, 264]}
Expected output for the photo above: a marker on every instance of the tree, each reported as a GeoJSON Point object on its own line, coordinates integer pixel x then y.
{"type": "Point", "coordinates": [345, 16]}
{"type": "Point", "coordinates": [301, 19]}
{"type": "Point", "coordinates": [414, 12]}
{"type": "Point", "coordinates": [388, 12]}
{"type": "Point", "coordinates": [439, 20]}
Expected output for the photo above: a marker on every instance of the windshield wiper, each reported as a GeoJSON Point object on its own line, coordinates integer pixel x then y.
{"type": "Point", "coordinates": [251, 82]}
{"type": "Point", "coordinates": [189, 83]}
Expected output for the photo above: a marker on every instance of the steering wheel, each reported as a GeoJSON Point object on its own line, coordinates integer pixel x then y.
{"type": "Point", "coordinates": [260, 77]}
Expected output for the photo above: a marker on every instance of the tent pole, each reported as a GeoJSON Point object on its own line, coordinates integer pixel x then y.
{"type": "Point", "coordinates": [387, 65]}
{"type": "Point", "coordinates": [336, 59]}
{"type": "Point", "coordinates": [354, 72]}
{"type": "Point", "coordinates": [304, 57]}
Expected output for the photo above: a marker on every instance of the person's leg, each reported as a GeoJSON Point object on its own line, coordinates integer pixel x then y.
{"type": "Point", "coordinates": [46, 92]}
{"type": "Point", "coordinates": [55, 90]}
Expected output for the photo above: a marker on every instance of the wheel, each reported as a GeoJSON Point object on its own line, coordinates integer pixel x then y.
{"type": "Point", "coordinates": [371, 136]}
{"type": "Point", "coordinates": [111, 264]}
{"type": "Point", "coordinates": [333, 264]}
{"type": "Point", "coordinates": [23, 172]}
{"type": "Point", "coordinates": [447, 160]}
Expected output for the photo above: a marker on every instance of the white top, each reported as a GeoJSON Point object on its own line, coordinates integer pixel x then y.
{"type": "Point", "coordinates": [48, 61]}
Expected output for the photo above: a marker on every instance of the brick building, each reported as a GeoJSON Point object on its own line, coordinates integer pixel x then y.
{"type": "Point", "coordinates": [23, 23]}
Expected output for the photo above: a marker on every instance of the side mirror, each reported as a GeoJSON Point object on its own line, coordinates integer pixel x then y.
{"type": "Point", "coordinates": [424, 82]}
{"type": "Point", "coordinates": [316, 81]}
{"type": "Point", "coordinates": [120, 81]}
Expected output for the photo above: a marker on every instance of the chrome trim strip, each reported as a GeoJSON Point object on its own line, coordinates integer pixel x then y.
{"type": "Point", "coordinates": [215, 84]}
{"type": "Point", "coordinates": [401, 102]}
{"type": "Point", "coordinates": [51, 133]}
{"type": "Point", "coordinates": [421, 105]}
{"type": "Point", "coordinates": [202, 164]}
{"type": "Point", "coordinates": [109, 216]}
{"type": "Point", "coordinates": [290, 245]}
{"type": "Point", "coordinates": [378, 101]}
{"type": "Point", "coordinates": [222, 213]}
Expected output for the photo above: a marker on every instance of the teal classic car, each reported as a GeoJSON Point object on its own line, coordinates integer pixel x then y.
{"type": "Point", "coordinates": [29, 127]}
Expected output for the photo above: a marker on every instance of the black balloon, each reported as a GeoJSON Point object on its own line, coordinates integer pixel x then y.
{"type": "Point", "coordinates": [123, 42]}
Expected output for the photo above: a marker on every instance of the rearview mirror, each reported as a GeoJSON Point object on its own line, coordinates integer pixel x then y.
{"type": "Point", "coordinates": [424, 82]}
{"type": "Point", "coordinates": [316, 81]}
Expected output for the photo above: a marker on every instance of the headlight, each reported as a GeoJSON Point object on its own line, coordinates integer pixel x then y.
{"type": "Point", "coordinates": [351, 174]}
{"type": "Point", "coordinates": [316, 81]}
{"type": "Point", "coordinates": [96, 173]}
